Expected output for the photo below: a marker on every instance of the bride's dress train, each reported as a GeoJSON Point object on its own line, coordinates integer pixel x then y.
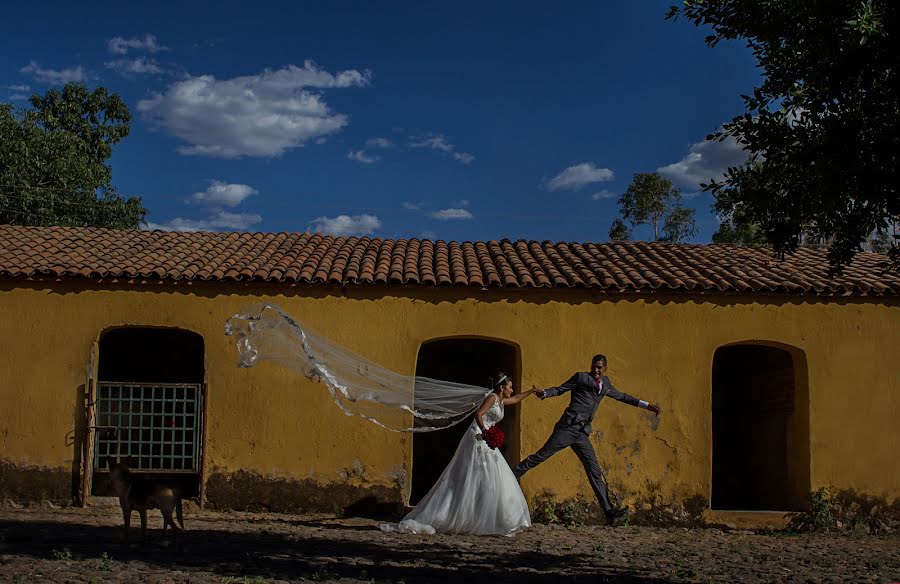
{"type": "Point", "coordinates": [477, 492]}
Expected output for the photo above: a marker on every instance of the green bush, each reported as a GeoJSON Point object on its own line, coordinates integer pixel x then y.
{"type": "Point", "coordinates": [570, 512]}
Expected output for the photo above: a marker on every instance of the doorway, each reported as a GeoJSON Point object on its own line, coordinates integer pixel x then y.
{"type": "Point", "coordinates": [149, 406]}
{"type": "Point", "coordinates": [760, 428]}
{"type": "Point", "coordinates": [462, 360]}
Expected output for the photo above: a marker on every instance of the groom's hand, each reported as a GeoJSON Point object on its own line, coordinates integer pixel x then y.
{"type": "Point", "coordinates": [653, 408]}
{"type": "Point", "coordinates": [538, 392]}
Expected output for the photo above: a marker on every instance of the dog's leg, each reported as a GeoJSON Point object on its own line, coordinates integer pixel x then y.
{"type": "Point", "coordinates": [167, 507]}
{"type": "Point", "coordinates": [126, 517]}
{"type": "Point", "coordinates": [178, 511]}
{"type": "Point", "coordinates": [143, 513]}
{"type": "Point", "coordinates": [174, 527]}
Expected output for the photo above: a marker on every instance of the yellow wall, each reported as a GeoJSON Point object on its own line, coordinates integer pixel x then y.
{"type": "Point", "coordinates": [271, 422]}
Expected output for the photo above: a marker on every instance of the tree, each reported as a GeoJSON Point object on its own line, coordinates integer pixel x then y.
{"type": "Point", "coordinates": [822, 129]}
{"type": "Point", "coordinates": [53, 161]}
{"type": "Point", "coordinates": [618, 231]}
{"type": "Point", "coordinates": [738, 232]}
{"type": "Point", "coordinates": [654, 201]}
{"type": "Point", "coordinates": [881, 240]}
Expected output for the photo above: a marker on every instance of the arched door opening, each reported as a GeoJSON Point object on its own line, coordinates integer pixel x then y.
{"type": "Point", "coordinates": [760, 425]}
{"type": "Point", "coordinates": [148, 408]}
{"type": "Point", "coordinates": [471, 361]}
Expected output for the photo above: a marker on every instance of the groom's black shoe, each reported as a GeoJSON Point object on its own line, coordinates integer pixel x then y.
{"type": "Point", "coordinates": [614, 515]}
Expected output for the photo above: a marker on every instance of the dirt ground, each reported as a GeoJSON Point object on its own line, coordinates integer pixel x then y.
{"type": "Point", "coordinates": [85, 545]}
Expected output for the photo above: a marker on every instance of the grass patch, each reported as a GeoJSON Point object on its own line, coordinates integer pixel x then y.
{"type": "Point", "coordinates": [63, 555]}
{"type": "Point", "coordinates": [572, 512]}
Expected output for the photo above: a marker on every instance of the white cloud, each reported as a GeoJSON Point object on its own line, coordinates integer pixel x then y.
{"type": "Point", "coordinates": [366, 157]}
{"type": "Point", "coordinates": [120, 46]}
{"type": "Point", "coordinates": [221, 193]}
{"type": "Point", "coordinates": [253, 115]}
{"type": "Point", "coordinates": [362, 156]}
{"type": "Point", "coordinates": [447, 214]}
{"type": "Point", "coordinates": [412, 206]}
{"type": "Point", "coordinates": [347, 224]}
{"type": "Point", "coordinates": [378, 143]}
{"type": "Point", "coordinates": [139, 66]}
{"type": "Point", "coordinates": [579, 175]}
{"type": "Point", "coordinates": [217, 221]}
{"type": "Point", "coordinates": [54, 75]}
{"type": "Point", "coordinates": [17, 96]}
{"type": "Point", "coordinates": [603, 194]}
{"type": "Point", "coordinates": [429, 234]}
{"type": "Point", "coordinates": [461, 203]}
{"type": "Point", "coordinates": [437, 142]}
{"type": "Point", "coordinates": [18, 87]}
{"type": "Point", "coordinates": [440, 143]}
{"type": "Point", "coordinates": [705, 160]}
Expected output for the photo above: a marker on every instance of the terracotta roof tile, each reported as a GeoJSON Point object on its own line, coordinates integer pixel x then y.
{"type": "Point", "coordinates": [60, 252]}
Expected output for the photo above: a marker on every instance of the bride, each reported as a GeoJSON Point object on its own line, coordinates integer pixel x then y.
{"type": "Point", "coordinates": [477, 493]}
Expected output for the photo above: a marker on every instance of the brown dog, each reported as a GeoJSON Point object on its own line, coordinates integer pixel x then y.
{"type": "Point", "coordinates": [137, 493]}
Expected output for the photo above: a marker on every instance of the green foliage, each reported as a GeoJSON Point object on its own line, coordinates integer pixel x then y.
{"type": "Point", "coordinates": [848, 512]}
{"type": "Point", "coordinates": [881, 242]}
{"type": "Point", "coordinates": [742, 233]}
{"type": "Point", "coordinates": [106, 562]}
{"type": "Point", "coordinates": [323, 574]}
{"type": "Point", "coordinates": [53, 161]}
{"type": "Point", "coordinates": [570, 512]}
{"type": "Point", "coordinates": [619, 231]}
{"type": "Point", "coordinates": [64, 554]}
{"type": "Point", "coordinates": [654, 201]}
{"type": "Point", "coordinates": [543, 508]}
{"type": "Point", "coordinates": [819, 516]}
{"type": "Point", "coordinates": [822, 129]}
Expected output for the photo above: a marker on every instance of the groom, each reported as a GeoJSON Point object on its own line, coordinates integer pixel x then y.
{"type": "Point", "coordinates": [574, 427]}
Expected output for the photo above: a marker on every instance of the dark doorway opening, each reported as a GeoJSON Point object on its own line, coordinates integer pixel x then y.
{"type": "Point", "coordinates": [151, 355]}
{"type": "Point", "coordinates": [149, 405]}
{"type": "Point", "coordinates": [471, 361]}
{"type": "Point", "coordinates": [760, 429]}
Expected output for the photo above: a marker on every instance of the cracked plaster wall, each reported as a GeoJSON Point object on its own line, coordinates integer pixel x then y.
{"type": "Point", "coordinates": [272, 424]}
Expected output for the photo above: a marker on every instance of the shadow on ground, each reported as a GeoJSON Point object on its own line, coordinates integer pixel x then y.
{"type": "Point", "coordinates": [268, 552]}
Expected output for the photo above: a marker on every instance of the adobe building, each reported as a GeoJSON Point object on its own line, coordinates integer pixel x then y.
{"type": "Point", "coordinates": [773, 377]}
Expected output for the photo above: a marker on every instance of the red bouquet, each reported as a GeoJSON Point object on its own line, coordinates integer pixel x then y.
{"type": "Point", "coordinates": [493, 437]}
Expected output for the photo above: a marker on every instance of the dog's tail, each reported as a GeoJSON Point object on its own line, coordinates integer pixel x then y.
{"type": "Point", "coordinates": [178, 512]}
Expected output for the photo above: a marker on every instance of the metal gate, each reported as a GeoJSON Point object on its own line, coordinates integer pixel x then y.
{"type": "Point", "coordinates": [157, 425]}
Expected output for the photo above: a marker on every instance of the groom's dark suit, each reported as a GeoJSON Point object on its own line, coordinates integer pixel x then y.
{"type": "Point", "coordinates": [574, 428]}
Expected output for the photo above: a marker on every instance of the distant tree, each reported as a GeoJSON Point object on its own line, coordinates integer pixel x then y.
{"type": "Point", "coordinates": [736, 229]}
{"type": "Point", "coordinates": [619, 231]}
{"type": "Point", "coordinates": [882, 240]}
{"type": "Point", "coordinates": [654, 201]}
{"type": "Point", "coordinates": [53, 161]}
{"type": "Point", "coordinates": [822, 129]}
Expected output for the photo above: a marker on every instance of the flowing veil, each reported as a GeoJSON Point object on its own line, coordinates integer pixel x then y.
{"type": "Point", "coordinates": [359, 387]}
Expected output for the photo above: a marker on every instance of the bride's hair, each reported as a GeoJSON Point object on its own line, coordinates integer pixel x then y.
{"type": "Point", "coordinates": [499, 379]}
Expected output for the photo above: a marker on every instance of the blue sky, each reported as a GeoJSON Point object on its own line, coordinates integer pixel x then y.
{"type": "Point", "coordinates": [462, 120]}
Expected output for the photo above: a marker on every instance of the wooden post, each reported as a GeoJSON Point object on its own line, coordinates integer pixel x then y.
{"type": "Point", "coordinates": [88, 454]}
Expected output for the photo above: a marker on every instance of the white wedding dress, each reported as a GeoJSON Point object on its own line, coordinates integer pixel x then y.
{"type": "Point", "coordinates": [477, 492]}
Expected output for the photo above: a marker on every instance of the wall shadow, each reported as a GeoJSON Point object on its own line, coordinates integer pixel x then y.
{"type": "Point", "coordinates": [275, 555]}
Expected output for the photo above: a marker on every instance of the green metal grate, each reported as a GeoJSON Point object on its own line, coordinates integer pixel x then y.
{"type": "Point", "coordinates": [158, 425]}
